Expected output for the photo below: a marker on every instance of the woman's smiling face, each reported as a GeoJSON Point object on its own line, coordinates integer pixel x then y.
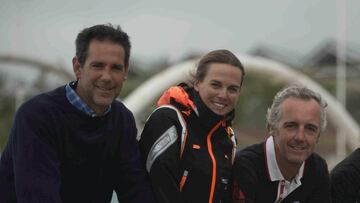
{"type": "Point", "coordinates": [220, 88]}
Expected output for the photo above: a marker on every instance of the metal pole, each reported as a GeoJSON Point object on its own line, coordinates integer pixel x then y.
{"type": "Point", "coordinates": [341, 71]}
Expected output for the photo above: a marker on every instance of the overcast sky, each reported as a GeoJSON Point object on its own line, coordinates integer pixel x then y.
{"type": "Point", "coordinates": [46, 30]}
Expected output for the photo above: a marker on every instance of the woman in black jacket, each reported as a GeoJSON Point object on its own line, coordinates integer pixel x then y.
{"type": "Point", "coordinates": [187, 143]}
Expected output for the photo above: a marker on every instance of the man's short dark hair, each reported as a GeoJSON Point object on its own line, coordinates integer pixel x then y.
{"type": "Point", "coordinates": [101, 32]}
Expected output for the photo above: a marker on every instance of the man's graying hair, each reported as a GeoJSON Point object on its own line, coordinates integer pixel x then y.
{"type": "Point", "coordinates": [274, 112]}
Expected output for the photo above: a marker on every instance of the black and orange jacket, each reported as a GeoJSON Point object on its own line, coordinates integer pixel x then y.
{"type": "Point", "coordinates": [188, 150]}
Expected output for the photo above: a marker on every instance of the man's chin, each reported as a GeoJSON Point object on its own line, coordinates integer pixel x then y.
{"type": "Point", "coordinates": [296, 160]}
{"type": "Point", "coordinates": [104, 102]}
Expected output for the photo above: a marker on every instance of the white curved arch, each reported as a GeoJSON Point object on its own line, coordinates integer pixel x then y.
{"type": "Point", "coordinates": [152, 88]}
{"type": "Point", "coordinates": [36, 64]}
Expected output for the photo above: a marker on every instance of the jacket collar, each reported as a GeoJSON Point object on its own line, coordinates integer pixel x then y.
{"type": "Point", "coordinates": [187, 100]}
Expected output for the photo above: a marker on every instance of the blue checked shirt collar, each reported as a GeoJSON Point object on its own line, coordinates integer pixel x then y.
{"type": "Point", "coordinates": [77, 102]}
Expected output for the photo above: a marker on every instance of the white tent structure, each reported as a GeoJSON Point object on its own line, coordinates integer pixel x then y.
{"type": "Point", "coordinates": [141, 97]}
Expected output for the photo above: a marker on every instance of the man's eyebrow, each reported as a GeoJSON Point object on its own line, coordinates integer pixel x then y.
{"type": "Point", "coordinates": [96, 63]}
{"type": "Point", "coordinates": [119, 65]}
{"type": "Point", "coordinates": [313, 125]}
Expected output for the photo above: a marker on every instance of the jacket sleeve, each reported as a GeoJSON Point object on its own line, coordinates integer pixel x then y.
{"type": "Point", "coordinates": [133, 184]}
{"type": "Point", "coordinates": [345, 179]}
{"type": "Point", "coordinates": [159, 145]}
{"type": "Point", "coordinates": [322, 189]}
{"type": "Point", "coordinates": [32, 158]}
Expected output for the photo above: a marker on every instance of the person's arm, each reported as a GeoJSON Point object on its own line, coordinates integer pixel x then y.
{"type": "Point", "coordinates": [321, 192]}
{"type": "Point", "coordinates": [133, 184]}
{"type": "Point", "coordinates": [345, 179]}
{"type": "Point", "coordinates": [159, 145]}
{"type": "Point", "coordinates": [344, 187]}
{"type": "Point", "coordinates": [35, 162]}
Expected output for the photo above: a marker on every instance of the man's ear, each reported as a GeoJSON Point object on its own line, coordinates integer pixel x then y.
{"type": "Point", "coordinates": [270, 129]}
{"type": "Point", "coordinates": [126, 73]}
{"type": "Point", "coordinates": [76, 67]}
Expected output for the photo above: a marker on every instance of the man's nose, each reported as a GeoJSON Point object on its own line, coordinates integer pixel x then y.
{"type": "Point", "coordinates": [106, 74]}
{"type": "Point", "coordinates": [300, 134]}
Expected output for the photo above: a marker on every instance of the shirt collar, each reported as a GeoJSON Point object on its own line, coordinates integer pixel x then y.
{"type": "Point", "coordinates": [284, 187]}
{"type": "Point", "coordinates": [77, 102]}
{"type": "Point", "coordinates": [272, 166]}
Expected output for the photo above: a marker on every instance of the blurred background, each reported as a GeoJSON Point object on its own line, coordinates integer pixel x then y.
{"type": "Point", "coordinates": [316, 38]}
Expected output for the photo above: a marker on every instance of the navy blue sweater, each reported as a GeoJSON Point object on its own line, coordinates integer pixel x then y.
{"type": "Point", "coordinates": [56, 153]}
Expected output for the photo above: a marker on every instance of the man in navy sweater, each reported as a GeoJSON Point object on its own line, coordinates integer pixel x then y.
{"type": "Point", "coordinates": [77, 143]}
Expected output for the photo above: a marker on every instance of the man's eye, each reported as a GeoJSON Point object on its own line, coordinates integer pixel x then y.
{"type": "Point", "coordinates": [97, 65]}
{"type": "Point", "coordinates": [215, 85]}
{"type": "Point", "coordinates": [312, 129]}
{"type": "Point", "coordinates": [290, 126]}
{"type": "Point", "coordinates": [233, 90]}
{"type": "Point", "coordinates": [119, 67]}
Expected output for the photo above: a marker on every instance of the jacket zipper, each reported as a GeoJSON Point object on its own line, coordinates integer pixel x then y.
{"type": "Point", "coordinates": [209, 146]}
{"type": "Point", "coordinates": [183, 180]}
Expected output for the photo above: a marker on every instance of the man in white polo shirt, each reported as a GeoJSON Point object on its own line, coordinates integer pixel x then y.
{"type": "Point", "coordinates": [284, 168]}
